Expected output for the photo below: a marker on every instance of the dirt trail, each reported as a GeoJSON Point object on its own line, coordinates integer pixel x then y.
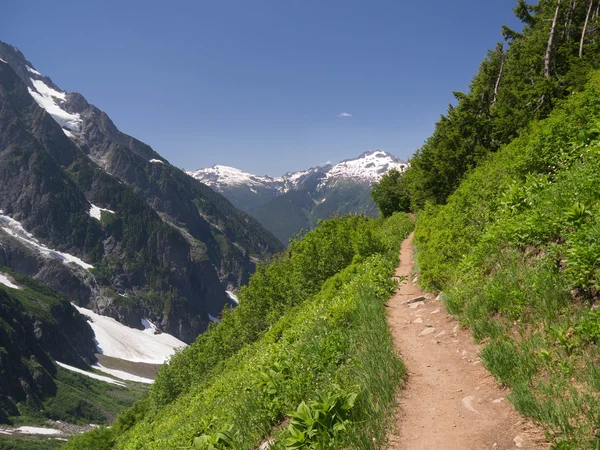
{"type": "Point", "coordinates": [449, 401]}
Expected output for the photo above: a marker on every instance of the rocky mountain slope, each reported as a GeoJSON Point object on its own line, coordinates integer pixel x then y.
{"type": "Point", "coordinates": [152, 242]}
{"type": "Point", "coordinates": [297, 200]}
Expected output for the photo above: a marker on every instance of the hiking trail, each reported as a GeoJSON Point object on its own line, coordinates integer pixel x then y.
{"type": "Point", "coordinates": [449, 400]}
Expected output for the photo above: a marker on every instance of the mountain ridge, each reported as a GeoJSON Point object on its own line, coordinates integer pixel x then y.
{"type": "Point", "coordinates": [296, 201]}
{"type": "Point", "coordinates": [154, 229]}
{"type": "Point", "coordinates": [218, 175]}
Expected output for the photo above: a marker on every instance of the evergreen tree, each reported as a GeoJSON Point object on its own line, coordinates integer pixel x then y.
{"type": "Point", "coordinates": [390, 194]}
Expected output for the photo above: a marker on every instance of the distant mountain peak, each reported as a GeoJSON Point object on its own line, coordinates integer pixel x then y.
{"type": "Point", "coordinates": [230, 176]}
{"type": "Point", "coordinates": [368, 167]}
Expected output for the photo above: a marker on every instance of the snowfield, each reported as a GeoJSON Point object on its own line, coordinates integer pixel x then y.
{"type": "Point", "coordinates": [156, 161]}
{"type": "Point", "coordinates": [369, 166]}
{"type": "Point", "coordinates": [49, 99]}
{"type": "Point", "coordinates": [16, 230]}
{"type": "Point", "coordinates": [233, 297]}
{"type": "Point", "coordinates": [119, 341]}
{"type": "Point", "coordinates": [96, 211]}
{"type": "Point", "coordinates": [32, 70]}
{"type": "Point", "coordinates": [122, 375]}
{"type": "Point", "coordinates": [6, 282]}
{"type": "Point", "coordinates": [30, 430]}
{"type": "Point", "coordinates": [231, 176]}
{"type": "Point", "coordinates": [90, 374]}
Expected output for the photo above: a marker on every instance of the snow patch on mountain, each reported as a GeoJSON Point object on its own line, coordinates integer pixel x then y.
{"type": "Point", "coordinates": [16, 230]}
{"type": "Point", "coordinates": [91, 374]}
{"type": "Point", "coordinates": [156, 161]}
{"type": "Point", "coordinates": [3, 61]}
{"type": "Point", "coordinates": [49, 99]}
{"type": "Point", "coordinates": [31, 430]}
{"type": "Point", "coordinates": [119, 341]}
{"type": "Point", "coordinates": [233, 297]}
{"type": "Point", "coordinates": [122, 375]}
{"type": "Point", "coordinates": [369, 166]}
{"type": "Point", "coordinates": [230, 176]}
{"type": "Point", "coordinates": [96, 211]}
{"type": "Point", "coordinates": [32, 70]}
{"type": "Point", "coordinates": [7, 282]}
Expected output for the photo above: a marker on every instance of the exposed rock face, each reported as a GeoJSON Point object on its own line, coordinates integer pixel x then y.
{"type": "Point", "coordinates": [37, 326]}
{"type": "Point", "coordinates": [162, 246]}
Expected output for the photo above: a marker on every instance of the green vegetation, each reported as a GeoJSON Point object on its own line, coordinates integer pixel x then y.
{"type": "Point", "coordinates": [390, 193]}
{"type": "Point", "coordinates": [507, 197]}
{"type": "Point", "coordinates": [39, 325]}
{"type": "Point", "coordinates": [516, 252]}
{"type": "Point", "coordinates": [309, 342]}
{"type": "Point", "coordinates": [519, 81]}
{"type": "Point", "coordinates": [29, 443]}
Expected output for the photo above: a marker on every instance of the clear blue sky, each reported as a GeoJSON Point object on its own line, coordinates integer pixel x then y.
{"type": "Point", "coordinates": [259, 84]}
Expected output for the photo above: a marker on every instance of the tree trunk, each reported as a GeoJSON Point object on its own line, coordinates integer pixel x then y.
{"type": "Point", "coordinates": [548, 57]}
{"type": "Point", "coordinates": [587, 18]}
{"type": "Point", "coordinates": [569, 20]}
{"type": "Point", "coordinates": [497, 86]}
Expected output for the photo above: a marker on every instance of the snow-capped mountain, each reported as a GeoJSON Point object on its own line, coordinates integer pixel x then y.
{"type": "Point", "coordinates": [296, 200]}
{"type": "Point", "coordinates": [368, 167]}
{"type": "Point", "coordinates": [85, 191]}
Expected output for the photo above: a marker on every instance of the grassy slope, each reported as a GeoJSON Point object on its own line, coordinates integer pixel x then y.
{"type": "Point", "coordinates": [314, 352]}
{"type": "Point", "coordinates": [517, 252]}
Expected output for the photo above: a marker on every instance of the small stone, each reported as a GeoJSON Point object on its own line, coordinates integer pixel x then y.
{"type": "Point", "coordinates": [467, 403]}
{"type": "Point", "coordinates": [427, 331]}
{"type": "Point", "coordinates": [418, 320]}
{"type": "Point", "coordinates": [435, 311]}
{"type": "Point", "coordinates": [519, 441]}
{"type": "Point", "coordinates": [419, 298]}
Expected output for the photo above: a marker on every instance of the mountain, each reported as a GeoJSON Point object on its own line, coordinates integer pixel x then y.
{"type": "Point", "coordinates": [43, 341]}
{"type": "Point", "coordinates": [297, 200]}
{"type": "Point", "coordinates": [105, 220]}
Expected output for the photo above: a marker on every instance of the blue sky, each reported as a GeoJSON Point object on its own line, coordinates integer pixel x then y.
{"type": "Point", "coordinates": [260, 84]}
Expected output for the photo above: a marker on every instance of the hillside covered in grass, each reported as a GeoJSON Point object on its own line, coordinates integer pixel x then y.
{"type": "Point", "coordinates": [516, 250]}
{"type": "Point", "coordinates": [305, 361]}
{"type": "Point", "coordinates": [507, 199]}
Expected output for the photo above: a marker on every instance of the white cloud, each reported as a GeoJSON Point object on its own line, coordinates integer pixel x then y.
{"type": "Point", "coordinates": [344, 114]}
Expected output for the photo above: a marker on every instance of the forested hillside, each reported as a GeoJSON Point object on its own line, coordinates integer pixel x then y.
{"type": "Point", "coordinates": [309, 336]}
{"type": "Point", "coordinates": [520, 80]}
